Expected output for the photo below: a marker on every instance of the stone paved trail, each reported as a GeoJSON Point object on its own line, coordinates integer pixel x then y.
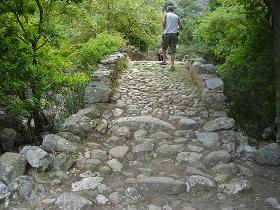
{"type": "Point", "coordinates": [163, 150]}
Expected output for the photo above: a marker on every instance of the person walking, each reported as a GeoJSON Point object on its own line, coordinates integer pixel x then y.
{"type": "Point", "coordinates": [171, 25]}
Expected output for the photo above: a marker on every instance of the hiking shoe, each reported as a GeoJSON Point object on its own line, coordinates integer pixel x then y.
{"type": "Point", "coordinates": [172, 68]}
{"type": "Point", "coordinates": [163, 63]}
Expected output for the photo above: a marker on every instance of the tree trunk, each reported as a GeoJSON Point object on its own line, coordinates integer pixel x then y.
{"type": "Point", "coordinates": [275, 7]}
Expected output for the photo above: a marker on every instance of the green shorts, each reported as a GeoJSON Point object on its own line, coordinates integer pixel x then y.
{"type": "Point", "coordinates": [170, 41]}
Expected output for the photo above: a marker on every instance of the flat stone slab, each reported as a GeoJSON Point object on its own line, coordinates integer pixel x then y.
{"type": "Point", "coordinates": [209, 139]}
{"type": "Point", "coordinates": [160, 185]}
{"type": "Point", "coordinates": [55, 143]}
{"type": "Point", "coordinates": [89, 183]}
{"type": "Point", "coordinates": [221, 123]}
{"type": "Point", "coordinates": [144, 122]}
{"type": "Point", "coordinates": [72, 201]}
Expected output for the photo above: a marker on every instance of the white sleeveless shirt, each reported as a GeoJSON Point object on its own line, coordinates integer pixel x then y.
{"type": "Point", "coordinates": [171, 24]}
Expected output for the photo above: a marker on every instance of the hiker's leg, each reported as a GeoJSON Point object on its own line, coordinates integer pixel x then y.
{"type": "Point", "coordinates": [163, 55]}
{"type": "Point", "coordinates": [172, 60]}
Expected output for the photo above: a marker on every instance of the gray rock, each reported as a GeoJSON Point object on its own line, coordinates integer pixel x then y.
{"type": "Point", "coordinates": [122, 131]}
{"type": "Point", "coordinates": [90, 112]}
{"type": "Point", "coordinates": [88, 183]}
{"type": "Point", "coordinates": [235, 186]}
{"type": "Point", "coordinates": [194, 171]}
{"type": "Point", "coordinates": [38, 158]}
{"type": "Point", "coordinates": [209, 140]}
{"type": "Point", "coordinates": [115, 165]}
{"type": "Point", "coordinates": [105, 170]}
{"type": "Point", "coordinates": [216, 157]}
{"type": "Point", "coordinates": [25, 189]}
{"type": "Point", "coordinates": [273, 202]}
{"type": "Point", "coordinates": [214, 83]}
{"type": "Point", "coordinates": [160, 135]}
{"type": "Point", "coordinates": [12, 165]}
{"type": "Point", "coordinates": [97, 92]}
{"type": "Point", "coordinates": [199, 60]}
{"type": "Point", "coordinates": [62, 162]}
{"type": "Point", "coordinates": [55, 143]}
{"type": "Point", "coordinates": [4, 191]}
{"type": "Point", "coordinates": [268, 155]}
{"type": "Point", "coordinates": [102, 126]}
{"type": "Point", "coordinates": [227, 136]}
{"type": "Point", "coordinates": [153, 207]}
{"type": "Point", "coordinates": [197, 182]}
{"type": "Point", "coordinates": [145, 171]}
{"type": "Point", "coordinates": [169, 150]}
{"type": "Point", "coordinates": [140, 134]}
{"type": "Point", "coordinates": [189, 157]}
{"type": "Point", "coordinates": [70, 137]}
{"type": "Point", "coordinates": [26, 149]}
{"type": "Point", "coordinates": [72, 201]}
{"type": "Point", "coordinates": [230, 169]}
{"type": "Point", "coordinates": [119, 152]}
{"type": "Point", "coordinates": [144, 122]}
{"type": "Point", "coordinates": [98, 154]}
{"type": "Point", "coordinates": [205, 68]}
{"type": "Point", "coordinates": [181, 140]}
{"type": "Point", "coordinates": [78, 125]}
{"type": "Point", "coordinates": [221, 123]}
{"type": "Point", "coordinates": [7, 139]}
{"type": "Point", "coordinates": [146, 147]}
{"type": "Point", "coordinates": [115, 198]}
{"type": "Point", "coordinates": [188, 208]}
{"type": "Point", "coordinates": [89, 164]}
{"type": "Point", "coordinates": [101, 200]}
{"type": "Point", "coordinates": [160, 185]}
{"type": "Point", "coordinates": [187, 124]}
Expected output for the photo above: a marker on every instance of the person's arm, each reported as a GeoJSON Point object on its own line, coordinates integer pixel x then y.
{"type": "Point", "coordinates": [179, 24]}
{"type": "Point", "coordinates": [164, 22]}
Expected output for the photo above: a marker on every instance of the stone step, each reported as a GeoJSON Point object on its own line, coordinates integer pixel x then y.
{"type": "Point", "coordinates": [143, 122]}
{"type": "Point", "coordinates": [160, 185]}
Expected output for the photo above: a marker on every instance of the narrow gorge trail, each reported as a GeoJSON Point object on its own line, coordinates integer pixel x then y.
{"type": "Point", "coordinates": [162, 150]}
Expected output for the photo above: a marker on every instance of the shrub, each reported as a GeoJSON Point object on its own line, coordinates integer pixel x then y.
{"type": "Point", "coordinates": [94, 50]}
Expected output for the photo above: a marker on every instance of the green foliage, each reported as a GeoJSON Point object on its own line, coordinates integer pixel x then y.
{"type": "Point", "coordinates": [94, 50]}
{"type": "Point", "coordinates": [31, 65]}
{"type": "Point", "coordinates": [238, 36]}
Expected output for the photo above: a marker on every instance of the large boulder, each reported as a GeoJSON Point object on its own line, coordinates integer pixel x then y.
{"type": "Point", "coordinates": [55, 143]}
{"type": "Point", "coordinates": [216, 157]}
{"type": "Point", "coordinates": [24, 188]}
{"type": "Point", "coordinates": [214, 83]}
{"type": "Point", "coordinates": [79, 125]}
{"type": "Point", "coordinates": [7, 139]}
{"type": "Point", "coordinates": [38, 158]}
{"type": "Point", "coordinates": [268, 155]}
{"type": "Point", "coordinates": [62, 162]}
{"type": "Point", "coordinates": [12, 165]}
{"type": "Point", "coordinates": [97, 92]}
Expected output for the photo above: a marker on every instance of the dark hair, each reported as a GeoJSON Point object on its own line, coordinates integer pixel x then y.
{"type": "Point", "coordinates": [169, 9]}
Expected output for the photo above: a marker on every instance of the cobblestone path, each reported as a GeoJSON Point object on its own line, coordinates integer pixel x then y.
{"type": "Point", "coordinates": [162, 151]}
